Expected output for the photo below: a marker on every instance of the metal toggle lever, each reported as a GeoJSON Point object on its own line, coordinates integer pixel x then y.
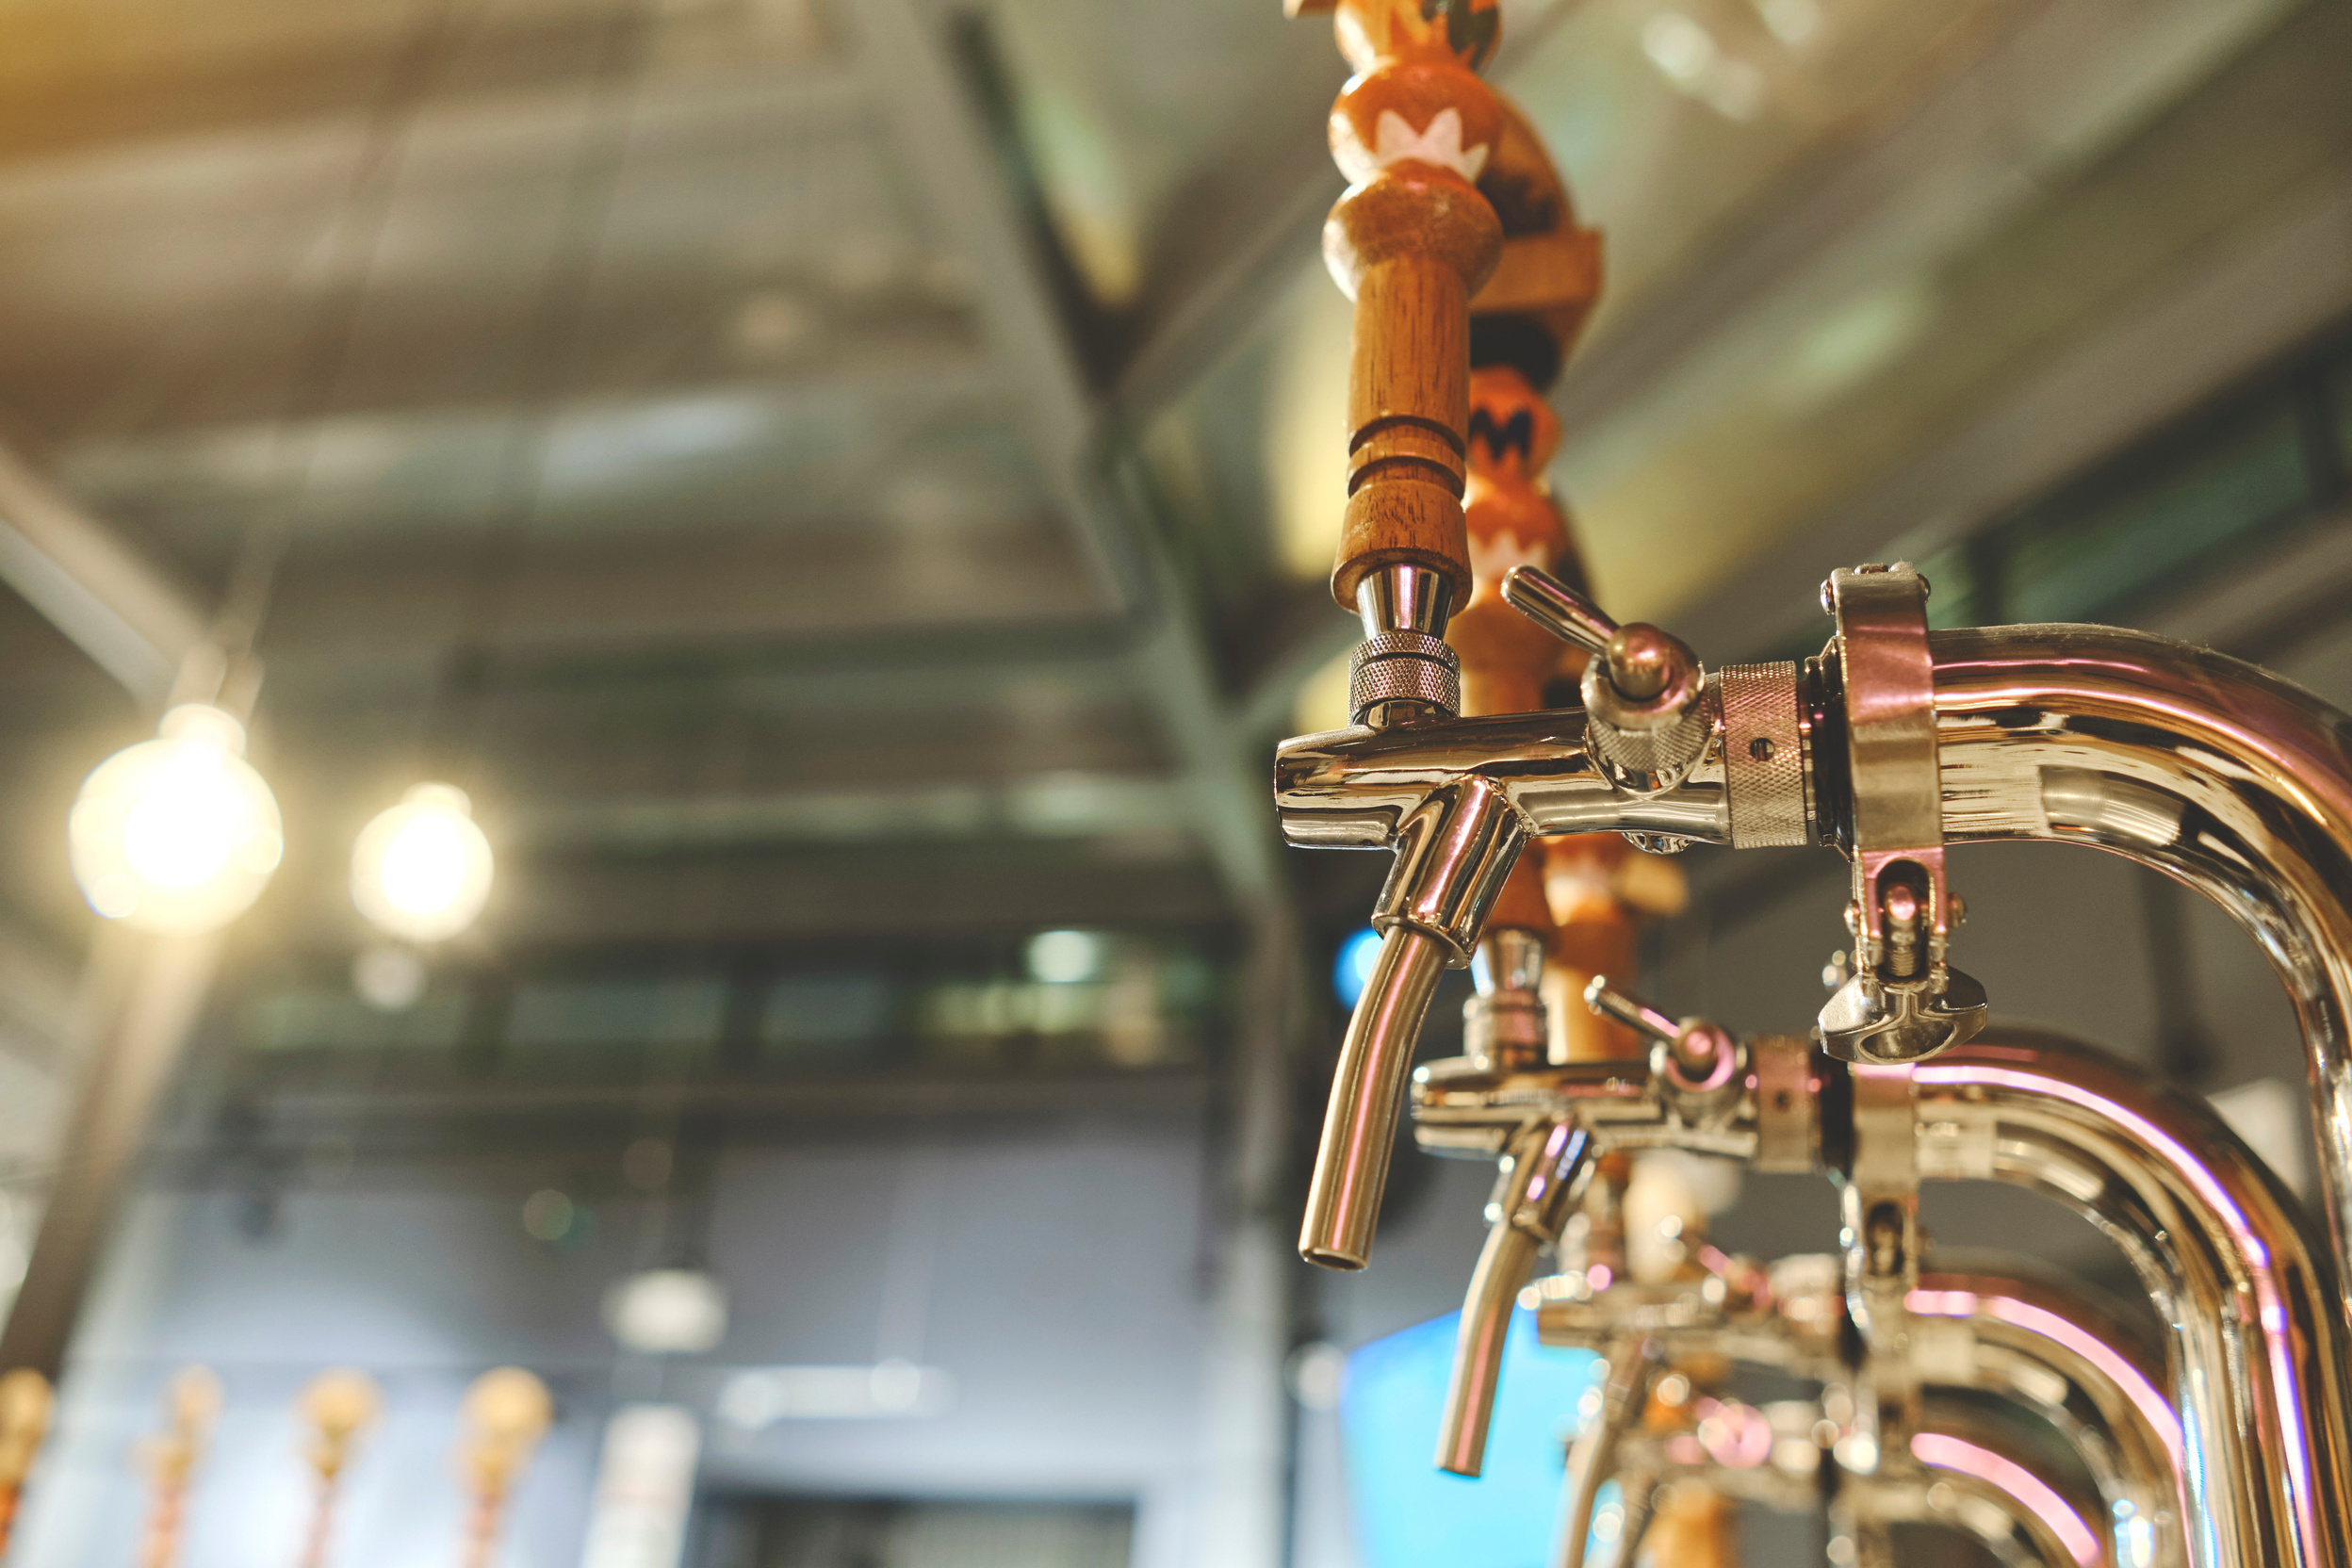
{"type": "Point", "coordinates": [1692, 1054]}
{"type": "Point", "coordinates": [1647, 704]}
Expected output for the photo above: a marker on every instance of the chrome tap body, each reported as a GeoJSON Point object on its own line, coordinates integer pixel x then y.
{"type": "Point", "coordinates": [2257, 1351]}
{"type": "Point", "coordinates": [2215, 771]}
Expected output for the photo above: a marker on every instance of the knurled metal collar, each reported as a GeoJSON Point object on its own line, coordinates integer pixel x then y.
{"type": "Point", "coordinates": [1403, 666]}
{"type": "Point", "coordinates": [1764, 776]}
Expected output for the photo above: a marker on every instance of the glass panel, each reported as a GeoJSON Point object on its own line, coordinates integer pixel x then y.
{"type": "Point", "coordinates": [618, 1013]}
{"type": "Point", "coordinates": [2086, 554]}
{"type": "Point", "coordinates": [333, 1019]}
{"type": "Point", "coordinates": [818, 1014]}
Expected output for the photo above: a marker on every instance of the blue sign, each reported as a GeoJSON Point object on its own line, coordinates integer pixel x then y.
{"type": "Point", "coordinates": [1410, 1514]}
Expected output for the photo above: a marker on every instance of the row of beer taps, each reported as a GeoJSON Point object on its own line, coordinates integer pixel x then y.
{"type": "Point", "coordinates": [504, 1414]}
{"type": "Point", "coordinates": [1943, 1386]}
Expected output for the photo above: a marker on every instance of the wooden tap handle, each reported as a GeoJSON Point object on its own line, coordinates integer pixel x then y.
{"type": "Point", "coordinates": [506, 1413]}
{"type": "Point", "coordinates": [1410, 243]}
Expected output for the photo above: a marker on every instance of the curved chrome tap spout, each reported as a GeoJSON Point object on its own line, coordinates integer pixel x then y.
{"type": "Point", "coordinates": [2258, 1343]}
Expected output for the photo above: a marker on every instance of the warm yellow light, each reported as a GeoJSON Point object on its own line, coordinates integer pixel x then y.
{"type": "Point", "coordinates": [177, 833]}
{"type": "Point", "coordinates": [421, 871]}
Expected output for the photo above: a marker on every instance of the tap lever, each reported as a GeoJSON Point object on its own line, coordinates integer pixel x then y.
{"type": "Point", "coordinates": [1557, 607]}
{"type": "Point", "coordinates": [1700, 1064]}
{"type": "Point", "coordinates": [1631, 1011]}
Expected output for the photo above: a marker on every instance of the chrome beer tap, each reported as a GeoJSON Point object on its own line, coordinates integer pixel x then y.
{"type": "Point", "coordinates": [2255, 1362]}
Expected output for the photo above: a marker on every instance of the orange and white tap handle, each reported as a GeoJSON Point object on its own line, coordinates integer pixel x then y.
{"type": "Point", "coordinates": [27, 1403]}
{"type": "Point", "coordinates": [171, 1459]}
{"type": "Point", "coordinates": [506, 1411]}
{"type": "Point", "coordinates": [1410, 243]}
{"type": "Point", "coordinates": [338, 1406]}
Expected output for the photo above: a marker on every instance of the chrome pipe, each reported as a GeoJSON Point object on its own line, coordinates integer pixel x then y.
{"type": "Point", "coordinates": [1504, 1263]}
{"type": "Point", "coordinates": [2019, 1338]}
{"type": "Point", "coordinates": [1453, 851]}
{"type": "Point", "coordinates": [2213, 770]}
{"type": "Point", "coordinates": [1963, 1471]}
{"type": "Point", "coordinates": [1357, 789]}
{"type": "Point", "coordinates": [2257, 1353]}
{"type": "Point", "coordinates": [1975, 1460]}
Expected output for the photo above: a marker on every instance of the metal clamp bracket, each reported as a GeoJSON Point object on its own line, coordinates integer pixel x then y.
{"type": "Point", "coordinates": [1904, 1001]}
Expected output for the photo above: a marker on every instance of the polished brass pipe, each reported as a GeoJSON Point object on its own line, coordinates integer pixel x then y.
{"type": "Point", "coordinates": [2258, 1345]}
{"type": "Point", "coordinates": [2215, 772]}
{"type": "Point", "coordinates": [2017, 1335]}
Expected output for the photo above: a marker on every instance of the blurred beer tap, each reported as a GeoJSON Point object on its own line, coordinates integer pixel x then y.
{"type": "Point", "coordinates": [338, 1406]}
{"type": "Point", "coordinates": [506, 1411]}
{"type": "Point", "coordinates": [193, 1407]}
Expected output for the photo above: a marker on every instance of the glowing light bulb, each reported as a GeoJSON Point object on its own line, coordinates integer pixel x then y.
{"type": "Point", "coordinates": [178, 833]}
{"type": "Point", "coordinates": [421, 871]}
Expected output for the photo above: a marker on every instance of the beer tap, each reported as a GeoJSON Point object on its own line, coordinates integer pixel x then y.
{"type": "Point", "coordinates": [2255, 1352]}
{"type": "Point", "coordinates": [338, 1406]}
{"type": "Point", "coordinates": [1892, 745]}
{"type": "Point", "coordinates": [192, 1405]}
{"type": "Point", "coordinates": [507, 1412]}
{"type": "Point", "coordinates": [2036, 1348]}
{"type": "Point", "coordinates": [1410, 242]}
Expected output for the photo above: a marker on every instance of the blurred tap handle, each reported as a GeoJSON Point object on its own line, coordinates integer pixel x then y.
{"type": "Point", "coordinates": [1631, 1011]}
{"type": "Point", "coordinates": [1505, 659]}
{"type": "Point", "coordinates": [192, 1405]}
{"type": "Point", "coordinates": [1533, 308]}
{"type": "Point", "coordinates": [1411, 242]}
{"type": "Point", "coordinates": [1697, 1052]}
{"type": "Point", "coordinates": [27, 1403]}
{"type": "Point", "coordinates": [506, 1413]}
{"type": "Point", "coordinates": [338, 1406]}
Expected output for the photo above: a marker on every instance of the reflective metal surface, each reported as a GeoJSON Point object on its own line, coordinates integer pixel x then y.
{"type": "Point", "coordinates": [1543, 1170]}
{"type": "Point", "coordinates": [1557, 607]}
{"type": "Point", "coordinates": [2032, 1341]}
{"type": "Point", "coordinates": [1593, 1457]}
{"type": "Point", "coordinates": [2042, 1350]}
{"type": "Point", "coordinates": [1355, 789]}
{"type": "Point", "coordinates": [1962, 1472]}
{"type": "Point", "coordinates": [2220, 773]}
{"type": "Point", "coordinates": [2257, 1351]}
{"type": "Point", "coordinates": [1368, 1094]}
{"type": "Point", "coordinates": [1402, 597]}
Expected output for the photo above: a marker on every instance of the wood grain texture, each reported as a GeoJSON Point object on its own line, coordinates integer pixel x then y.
{"type": "Point", "coordinates": [1410, 243]}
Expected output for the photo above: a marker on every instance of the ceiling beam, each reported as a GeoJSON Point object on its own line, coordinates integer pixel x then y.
{"type": "Point", "coordinates": [93, 585]}
{"type": "Point", "coordinates": [943, 140]}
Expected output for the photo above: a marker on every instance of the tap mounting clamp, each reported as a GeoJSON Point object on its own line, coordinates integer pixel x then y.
{"type": "Point", "coordinates": [1904, 1001]}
